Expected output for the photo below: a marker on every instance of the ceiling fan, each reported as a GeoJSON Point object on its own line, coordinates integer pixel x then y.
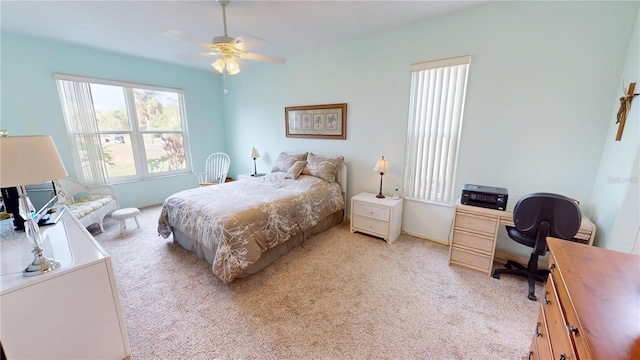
{"type": "Point", "coordinates": [230, 49]}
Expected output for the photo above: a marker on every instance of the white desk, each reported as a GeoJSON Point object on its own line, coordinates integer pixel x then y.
{"type": "Point", "coordinates": [475, 231]}
{"type": "Point", "coordinates": [71, 312]}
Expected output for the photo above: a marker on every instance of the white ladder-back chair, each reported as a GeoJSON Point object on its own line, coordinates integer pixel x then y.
{"type": "Point", "coordinates": [217, 167]}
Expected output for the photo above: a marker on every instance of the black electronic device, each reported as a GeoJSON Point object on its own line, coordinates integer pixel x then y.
{"type": "Point", "coordinates": [484, 196]}
{"type": "Point", "coordinates": [50, 213]}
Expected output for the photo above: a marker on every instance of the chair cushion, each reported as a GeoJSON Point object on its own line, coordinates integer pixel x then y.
{"type": "Point", "coordinates": [88, 204]}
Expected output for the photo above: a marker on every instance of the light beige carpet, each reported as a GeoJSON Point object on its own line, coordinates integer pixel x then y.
{"type": "Point", "coordinates": [338, 296]}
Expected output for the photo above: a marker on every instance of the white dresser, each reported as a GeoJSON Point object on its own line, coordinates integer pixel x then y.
{"type": "Point", "coordinates": [72, 312]}
{"type": "Point", "coordinates": [377, 217]}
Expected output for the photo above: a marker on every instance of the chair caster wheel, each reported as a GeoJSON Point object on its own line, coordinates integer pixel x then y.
{"type": "Point", "coordinates": [496, 276]}
{"type": "Point", "coordinates": [532, 297]}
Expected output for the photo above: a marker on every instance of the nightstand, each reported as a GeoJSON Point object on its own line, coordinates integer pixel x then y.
{"type": "Point", "coordinates": [378, 217]}
{"type": "Point", "coordinates": [249, 176]}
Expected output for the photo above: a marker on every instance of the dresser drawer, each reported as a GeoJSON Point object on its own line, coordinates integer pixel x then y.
{"type": "Point", "coordinates": [371, 211]}
{"type": "Point", "coordinates": [479, 223]}
{"type": "Point", "coordinates": [570, 317]}
{"type": "Point", "coordinates": [475, 241]}
{"type": "Point", "coordinates": [471, 259]}
{"type": "Point", "coordinates": [541, 336]}
{"type": "Point", "coordinates": [556, 324]}
{"type": "Point", "coordinates": [368, 225]}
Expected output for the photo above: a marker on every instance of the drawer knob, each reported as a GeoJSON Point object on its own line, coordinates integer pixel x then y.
{"type": "Point", "coordinates": [573, 330]}
{"type": "Point", "coordinates": [538, 333]}
{"type": "Point", "coordinates": [546, 301]}
{"type": "Point", "coordinates": [552, 266]}
{"type": "Point", "coordinates": [563, 356]}
{"type": "Point", "coordinates": [530, 354]}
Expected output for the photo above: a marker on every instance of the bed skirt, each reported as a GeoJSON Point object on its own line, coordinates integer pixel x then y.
{"type": "Point", "coordinates": [268, 256]}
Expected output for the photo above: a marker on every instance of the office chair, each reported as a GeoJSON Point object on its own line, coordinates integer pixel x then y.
{"type": "Point", "coordinates": [537, 216]}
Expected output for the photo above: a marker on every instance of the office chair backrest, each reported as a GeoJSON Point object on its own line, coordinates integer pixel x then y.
{"type": "Point", "coordinates": [560, 214]}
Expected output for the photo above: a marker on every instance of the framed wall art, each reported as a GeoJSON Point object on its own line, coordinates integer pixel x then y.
{"type": "Point", "coordinates": [316, 121]}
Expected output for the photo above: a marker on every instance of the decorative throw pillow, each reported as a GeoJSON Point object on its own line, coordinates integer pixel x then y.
{"type": "Point", "coordinates": [295, 170]}
{"type": "Point", "coordinates": [286, 159]}
{"type": "Point", "coordinates": [323, 167]}
{"type": "Point", "coordinates": [63, 197]}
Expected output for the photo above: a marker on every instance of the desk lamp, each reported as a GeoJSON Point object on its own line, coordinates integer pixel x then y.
{"type": "Point", "coordinates": [381, 167]}
{"type": "Point", "coordinates": [254, 155]}
{"type": "Point", "coordinates": [28, 160]}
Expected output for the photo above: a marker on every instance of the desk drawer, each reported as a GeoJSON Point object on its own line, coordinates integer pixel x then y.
{"type": "Point", "coordinates": [371, 211]}
{"type": "Point", "coordinates": [471, 259]}
{"type": "Point", "coordinates": [475, 241]}
{"type": "Point", "coordinates": [478, 223]}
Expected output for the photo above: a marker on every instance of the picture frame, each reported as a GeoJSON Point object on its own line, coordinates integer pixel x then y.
{"type": "Point", "coordinates": [328, 121]}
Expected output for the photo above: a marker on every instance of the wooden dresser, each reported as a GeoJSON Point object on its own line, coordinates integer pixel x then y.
{"type": "Point", "coordinates": [591, 307]}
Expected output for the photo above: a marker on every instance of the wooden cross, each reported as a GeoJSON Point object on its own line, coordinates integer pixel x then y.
{"type": "Point", "coordinates": [625, 105]}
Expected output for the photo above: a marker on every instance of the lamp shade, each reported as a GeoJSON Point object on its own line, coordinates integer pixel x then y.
{"type": "Point", "coordinates": [219, 65]}
{"type": "Point", "coordinates": [381, 166]}
{"type": "Point", "coordinates": [254, 153]}
{"type": "Point", "coordinates": [28, 160]}
{"type": "Point", "coordinates": [232, 66]}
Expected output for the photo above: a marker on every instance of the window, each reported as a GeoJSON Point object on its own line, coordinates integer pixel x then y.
{"type": "Point", "coordinates": [435, 118]}
{"type": "Point", "coordinates": [121, 131]}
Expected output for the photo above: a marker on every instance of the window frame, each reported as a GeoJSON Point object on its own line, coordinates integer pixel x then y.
{"type": "Point", "coordinates": [416, 151]}
{"type": "Point", "coordinates": [135, 134]}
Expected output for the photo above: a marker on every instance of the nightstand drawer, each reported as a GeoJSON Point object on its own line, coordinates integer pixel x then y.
{"type": "Point", "coordinates": [371, 226]}
{"type": "Point", "coordinates": [371, 211]}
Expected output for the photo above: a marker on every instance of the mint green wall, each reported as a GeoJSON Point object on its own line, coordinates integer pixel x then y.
{"type": "Point", "coordinates": [542, 83]}
{"type": "Point", "coordinates": [30, 102]}
{"type": "Point", "coordinates": [615, 200]}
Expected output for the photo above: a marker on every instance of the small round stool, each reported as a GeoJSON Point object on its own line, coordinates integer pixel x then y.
{"type": "Point", "coordinates": [126, 213]}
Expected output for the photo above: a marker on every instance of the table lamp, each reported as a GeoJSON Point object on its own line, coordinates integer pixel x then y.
{"type": "Point", "coordinates": [381, 167]}
{"type": "Point", "coordinates": [254, 155]}
{"type": "Point", "coordinates": [26, 160]}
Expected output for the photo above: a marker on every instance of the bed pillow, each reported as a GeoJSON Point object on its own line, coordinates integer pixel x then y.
{"type": "Point", "coordinates": [296, 170]}
{"type": "Point", "coordinates": [323, 166]}
{"type": "Point", "coordinates": [286, 159]}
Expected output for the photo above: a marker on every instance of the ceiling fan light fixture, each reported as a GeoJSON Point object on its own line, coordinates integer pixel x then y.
{"type": "Point", "coordinates": [232, 66]}
{"type": "Point", "coordinates": [219, 65]}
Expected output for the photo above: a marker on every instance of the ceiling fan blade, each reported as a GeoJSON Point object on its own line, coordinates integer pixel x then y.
{"type": "Point", "coordinates": [265, 58]}
{"type": "Point", "coordinates": [203, 54]}
{"type": "Point", "coordinates": [180, 35]}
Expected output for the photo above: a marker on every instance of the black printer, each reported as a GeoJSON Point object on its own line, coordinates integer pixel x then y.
{"type": "Point", "coordinates": [484, 196]}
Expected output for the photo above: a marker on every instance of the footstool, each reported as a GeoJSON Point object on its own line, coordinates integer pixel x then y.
{"type": "Point", "coordinates": [126, 213]}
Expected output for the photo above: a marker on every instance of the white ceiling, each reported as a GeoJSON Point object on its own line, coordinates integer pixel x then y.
{"type": "Point", "coordinates": [167, 30]}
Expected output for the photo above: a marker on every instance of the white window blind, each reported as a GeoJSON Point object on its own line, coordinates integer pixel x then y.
{"type": "Point", "coordinates": [435, 118]}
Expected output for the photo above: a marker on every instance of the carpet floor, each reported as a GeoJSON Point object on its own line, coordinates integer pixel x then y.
{"type": "Point", "coordinates": [338, 296]}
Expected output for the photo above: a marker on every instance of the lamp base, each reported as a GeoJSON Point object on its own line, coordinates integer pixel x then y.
{"type": "Point", "coordinates": [40, 265]}
{"type": "Point", "coordinates": [380, 196]}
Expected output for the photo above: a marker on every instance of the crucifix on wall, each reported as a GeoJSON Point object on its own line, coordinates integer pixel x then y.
{"type": "Point", "coordinates": [625, 105]}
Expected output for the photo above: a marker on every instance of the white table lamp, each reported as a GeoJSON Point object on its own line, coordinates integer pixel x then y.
{"type": "Point", "coordinates": [28, 160]}
{"type": "Point", "coordinates": [254, 155]}
{"type": "Point", "coordinates": [381, 167]}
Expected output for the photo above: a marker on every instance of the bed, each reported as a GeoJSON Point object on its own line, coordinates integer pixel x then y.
{"type": "Point", "coordinates": [241, 227]}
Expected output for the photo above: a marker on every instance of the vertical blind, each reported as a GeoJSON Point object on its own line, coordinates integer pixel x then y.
{"type": "Point", "coordinates": [435, 117]}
